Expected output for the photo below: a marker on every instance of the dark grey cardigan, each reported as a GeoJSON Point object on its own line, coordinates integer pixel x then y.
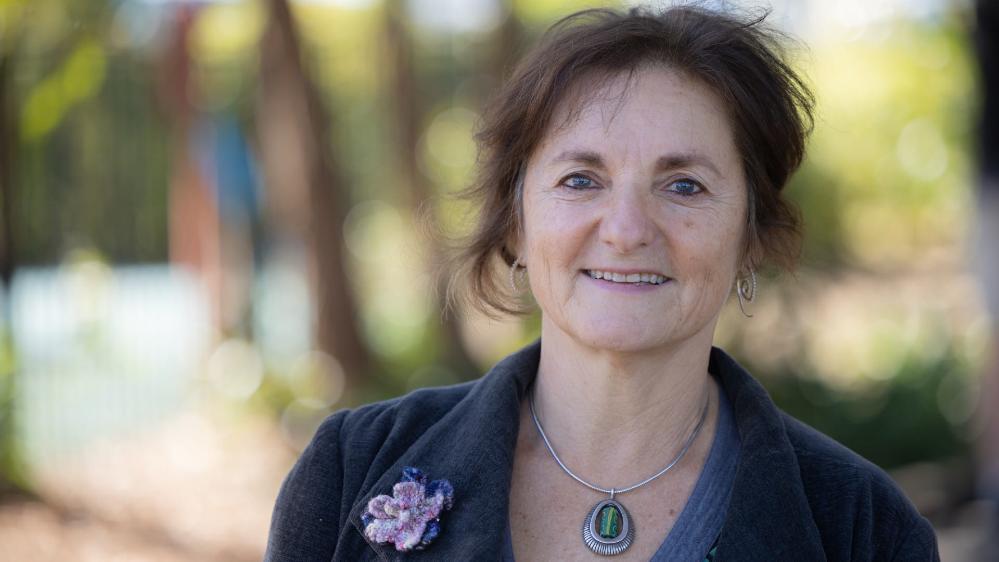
{"type": "Point", "coordinates": [797, 495]}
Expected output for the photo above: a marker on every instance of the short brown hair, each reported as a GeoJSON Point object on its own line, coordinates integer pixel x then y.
{"type": "Point", "coordinates": [769, 104]}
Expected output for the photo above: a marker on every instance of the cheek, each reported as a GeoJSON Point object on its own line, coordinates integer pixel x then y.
{"type": "Point", "coordinates": [528, 230]}
{"type": "Point", "coordinates": [551, 256]}
{"type": "Point", "coordinates": [539, 250]}
{"type": "Point", "coordinates": [708, 250]}
{"type": "Point", "coordinates": [553, 232]}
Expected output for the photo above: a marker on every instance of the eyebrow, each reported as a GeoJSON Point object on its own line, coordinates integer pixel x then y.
{"type": "Point", "coordinates": [582, 156]}
{"type": "Point", "coordinates": [665, 162]}
{"type": "Point", "coordinates": [686, 159]}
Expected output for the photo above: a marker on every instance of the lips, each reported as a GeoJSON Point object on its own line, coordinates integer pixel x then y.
{"type": "Point", "coordinates": [650, 278]}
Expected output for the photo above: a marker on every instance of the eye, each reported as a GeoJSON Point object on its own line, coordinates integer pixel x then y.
{"type": "Point", "coordinates": [685, 187]}
{"type": "Point", "coordinates": [577, 182]}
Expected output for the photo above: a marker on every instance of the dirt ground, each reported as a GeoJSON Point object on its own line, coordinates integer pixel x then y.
{"type": "Point", "coordinates": [194, 489]}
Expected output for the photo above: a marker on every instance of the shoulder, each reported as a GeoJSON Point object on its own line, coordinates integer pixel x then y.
{"type": "Point", "coordinates": [382, 431]}
{"type": "Point", "coordinates": [349, 450]}
{"type": "Point", "coordinates": [361, 451]}
{"type": "Point", "coordinates": [858, 511]}
{"type": "Point", "coordinates": [858, 508]}
{"type": "Point", "coordinates": [395, 422]}
{"type": "Point", "coordinates": [834, 473]}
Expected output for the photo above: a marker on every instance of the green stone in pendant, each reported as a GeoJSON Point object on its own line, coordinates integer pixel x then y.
{"type": "Point", "coordinates": [610, 522]}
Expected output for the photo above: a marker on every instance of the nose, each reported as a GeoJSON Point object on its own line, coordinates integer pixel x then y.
{"type": "Point", "coordinates": [626, 225]}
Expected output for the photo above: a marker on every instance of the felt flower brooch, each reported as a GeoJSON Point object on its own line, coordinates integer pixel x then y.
{"type": "Point", "coordinates": [410, 517]}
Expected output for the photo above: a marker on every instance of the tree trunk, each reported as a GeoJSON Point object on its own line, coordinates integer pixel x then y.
{"type": "Point", "coordinates": [7, 121]}
{"type": "Point", "coordinates": [507, 43]}
{"type": "Point", "coordinates": [13, 477]}
{"type": "Point", "coordinates": [408, 111]}
{"type": "Point", "coordinates": [306, 200]}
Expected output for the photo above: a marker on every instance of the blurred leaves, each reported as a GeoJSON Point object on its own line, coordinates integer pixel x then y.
{"type": "Point", "coordinates": [13, 469]}
{"type": "Point", "coordinates": [87, 105]}
{"type": "Point", "coordinates": [77, 79]}
{"type": "Point", "coordinates": [887, 177]}
{"type": "Point", "coordinates": [893, 423]}
{"type": "Point", "coordinates": [225, 32]}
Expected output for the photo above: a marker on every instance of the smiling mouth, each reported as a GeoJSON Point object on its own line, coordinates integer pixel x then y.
{"type": "Point", "coordinates": [630, 278]}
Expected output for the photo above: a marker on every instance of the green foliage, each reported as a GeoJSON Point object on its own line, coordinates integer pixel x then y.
{"type": "Point", "coordinates": [888, 170]}
{"type": "Point", "coordinates": [544, 12]}
{"type": "Point", "coordinates": [13, 473]}
{"type": "Point", "coordinates": [89, 108]}
{"type": "Point", "coordinates": [897, 422]}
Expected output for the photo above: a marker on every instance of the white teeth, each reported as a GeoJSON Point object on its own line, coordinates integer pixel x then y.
{"type": "Point", "coordinates": [651, 278]}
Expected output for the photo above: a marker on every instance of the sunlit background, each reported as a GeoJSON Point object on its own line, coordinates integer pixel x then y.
{"type": "Point", "coordinates": [218, 227]}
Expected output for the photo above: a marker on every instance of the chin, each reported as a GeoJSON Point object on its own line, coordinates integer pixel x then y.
{"type": "Point", "coordinates": [620, 341]}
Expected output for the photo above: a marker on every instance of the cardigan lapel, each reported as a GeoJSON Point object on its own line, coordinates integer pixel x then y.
{"type": "Point", "coordinates": [768, 514]}
{"type": "Point", "coordinates": [472, 446]}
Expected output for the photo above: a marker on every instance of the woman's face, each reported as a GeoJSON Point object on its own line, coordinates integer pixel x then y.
{"type": "Point", "coordinates": [635, 214]}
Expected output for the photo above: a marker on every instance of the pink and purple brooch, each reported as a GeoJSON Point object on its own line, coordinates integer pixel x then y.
{"type": "Point", "coordinates": [410, 517]}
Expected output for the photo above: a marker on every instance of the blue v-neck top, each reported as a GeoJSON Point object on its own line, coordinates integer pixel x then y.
{"type": "Point", "coordinates": [696, 530]}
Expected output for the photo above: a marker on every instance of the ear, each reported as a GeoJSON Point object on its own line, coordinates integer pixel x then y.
{"type": "Point", "coordinates": [512, 250]}
{"type": "Point", "coordinates": [513, 247]}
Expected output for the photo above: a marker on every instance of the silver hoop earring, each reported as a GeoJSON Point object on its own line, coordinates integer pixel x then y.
{"type": "Point", "coordinates": [745, 288]}
{"type": "Point", "coordinates": [513, 274]}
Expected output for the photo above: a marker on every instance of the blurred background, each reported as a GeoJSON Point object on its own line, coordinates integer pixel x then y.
{"type": "Point", "coordinates": [214, 232]}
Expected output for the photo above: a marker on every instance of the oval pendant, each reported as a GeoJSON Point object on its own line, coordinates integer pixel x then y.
{"type": "Point", "coordinates": [608, 530]}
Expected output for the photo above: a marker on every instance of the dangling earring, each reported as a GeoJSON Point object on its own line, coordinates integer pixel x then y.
{"type": "Point", "coordinates": [513, 274]}
{"type": "Point", "coordinates": [745, 288]}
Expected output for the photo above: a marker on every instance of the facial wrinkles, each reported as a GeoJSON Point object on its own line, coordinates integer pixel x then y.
{"type": "Point", "coordinates": [702, 297]}
{"type": "Point", "coordinates": [540, 200]}
{"type": "Point", "coordinates": [631, 152]}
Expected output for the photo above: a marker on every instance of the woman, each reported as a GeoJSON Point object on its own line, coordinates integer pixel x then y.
{"type": "Point", "coordinates": [631, 176]}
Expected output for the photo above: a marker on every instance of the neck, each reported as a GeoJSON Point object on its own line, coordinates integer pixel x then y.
{"type": "Point", "coordinates": [625, 414]}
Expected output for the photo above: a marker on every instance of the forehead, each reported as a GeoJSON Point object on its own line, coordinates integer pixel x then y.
{"type": "Point", "coordinates": [654, 107]}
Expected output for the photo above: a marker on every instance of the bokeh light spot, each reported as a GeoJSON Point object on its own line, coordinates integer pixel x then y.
{"type": "Point", "coordinates": [317, 376]}
{"type": "Point", "coordinates": [921, 150]}
{"type": "Point", "coordinates": [300, 420]}
{"type": "Point", "coordinates": [84, 71]}
{"type": "Point", "coordinates": [235, 369]}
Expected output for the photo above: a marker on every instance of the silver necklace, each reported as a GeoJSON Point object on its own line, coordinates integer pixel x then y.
{"type": "Point", "coordinates": [607, 528]}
